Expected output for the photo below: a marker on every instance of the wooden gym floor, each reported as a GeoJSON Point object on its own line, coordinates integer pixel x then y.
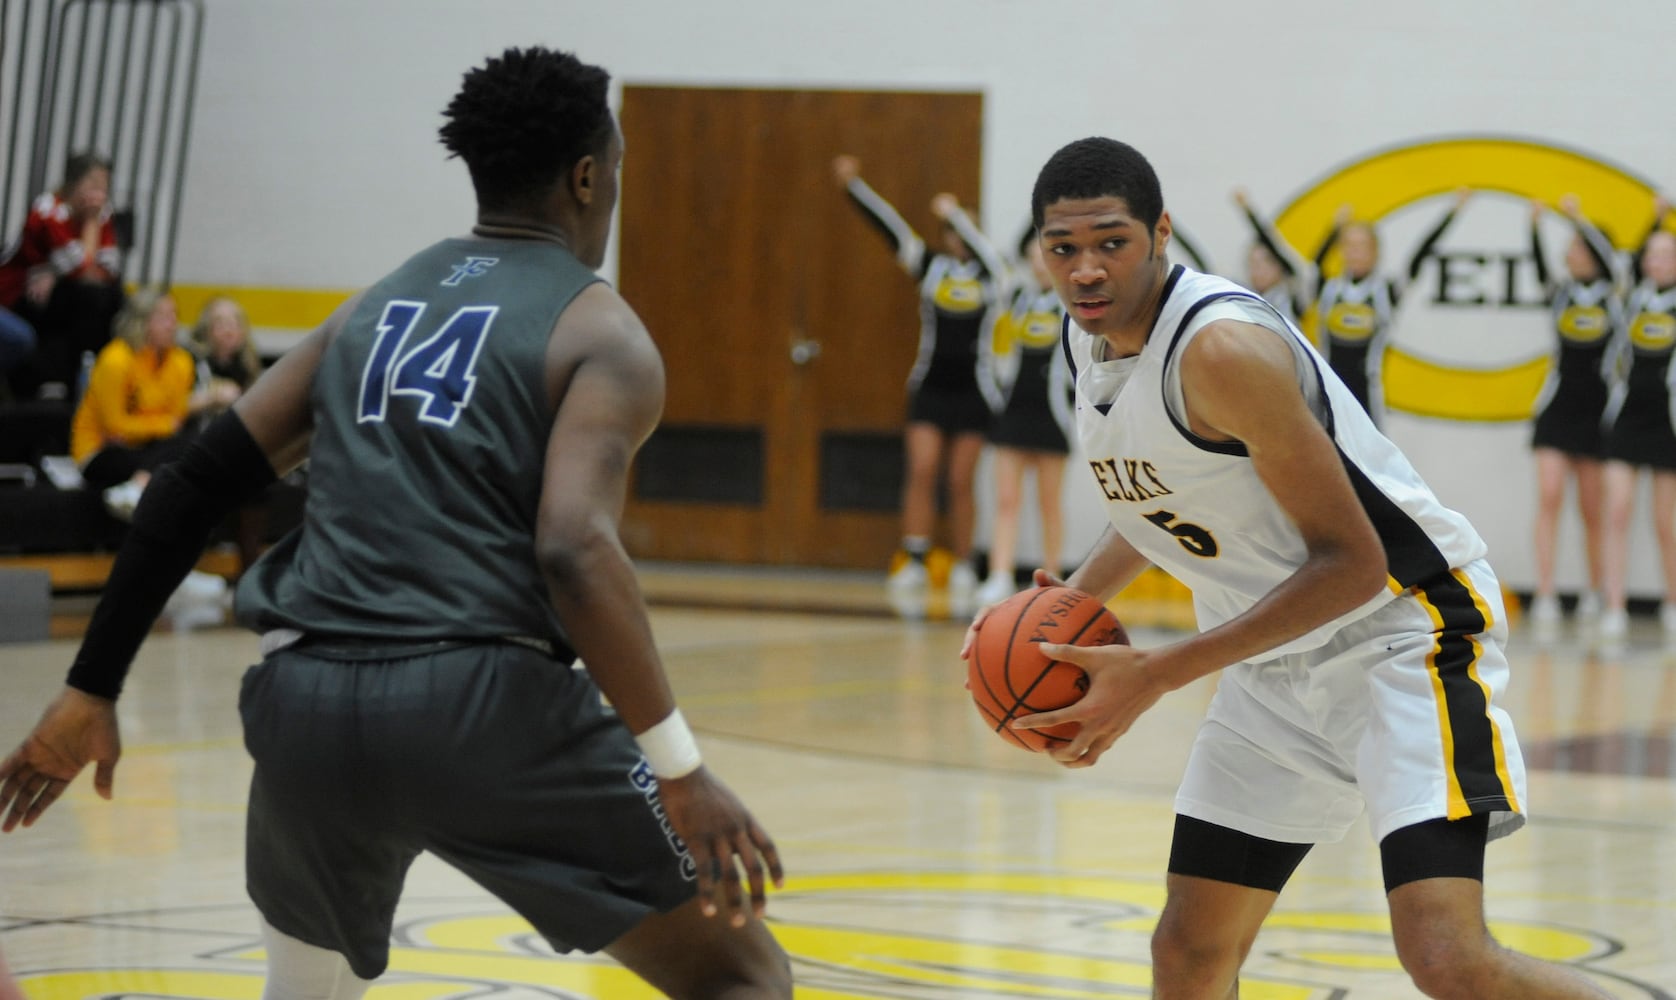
{"type": "Point", "coordinates": [926, 858]}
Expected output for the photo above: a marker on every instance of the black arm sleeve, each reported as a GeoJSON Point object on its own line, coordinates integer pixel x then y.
{"type": "Point", "coordinates": [1599, 247]}
{"type": "Point", "coordinates": [1326, 248]}
{"type": "Point", "coordinates": [181, 505]}
{"type": "Point", "coordinates": [911, 251]}
{"type": "Point", "coordinates": [1267, 239]}
{"type": "Point", "coordinates": [1538, 256]}
{"type": "Point", "coordinates": [1424, 250]}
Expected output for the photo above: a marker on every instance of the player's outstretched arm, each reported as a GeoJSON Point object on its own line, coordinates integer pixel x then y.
{"type": "Point", "coordinates": [607, 379]}
{"type": "Point", "coordinates": [911, 251]}
{"type": "Point", "coordinates": [1429, 242]}
{"type": "Point", "coordinates": [232, 460]}
{"type": "Point", "coordinates": [1606, 257]}
{"type": "Point", "coordinates": [1290, 260]}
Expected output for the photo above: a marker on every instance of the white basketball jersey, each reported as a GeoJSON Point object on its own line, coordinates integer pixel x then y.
{"type": "Point", "coordinates": [1197, 509]}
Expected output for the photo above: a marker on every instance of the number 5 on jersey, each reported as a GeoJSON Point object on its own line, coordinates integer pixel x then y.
{"type": "Point", "coordinates": [437, 370]}
{"type": "Point", "coordinates": [1192, 537]}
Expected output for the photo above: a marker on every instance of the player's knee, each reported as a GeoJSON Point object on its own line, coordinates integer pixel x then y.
{"type": "Point", "coordinates": [1181, 952]}
{"type": "Point", "coordinates": [1446, 965]}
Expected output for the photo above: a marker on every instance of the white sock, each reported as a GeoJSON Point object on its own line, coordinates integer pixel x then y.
{"type": "Point", "coordinates": [301, 971]}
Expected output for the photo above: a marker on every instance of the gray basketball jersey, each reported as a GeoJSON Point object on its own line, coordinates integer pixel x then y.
{"type": "Point", "coordinates": [425, 472]}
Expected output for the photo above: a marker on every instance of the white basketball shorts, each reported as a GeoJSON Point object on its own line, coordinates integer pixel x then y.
{"type": "Point", "coordinates": [1398, 714]}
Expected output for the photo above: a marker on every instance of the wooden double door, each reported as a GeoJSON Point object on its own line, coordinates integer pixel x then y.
{"type": "Point", "coordinates": [786, 326]}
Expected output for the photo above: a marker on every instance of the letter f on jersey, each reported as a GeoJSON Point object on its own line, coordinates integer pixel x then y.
{"type": "Point", "coordinates": [471, 267]}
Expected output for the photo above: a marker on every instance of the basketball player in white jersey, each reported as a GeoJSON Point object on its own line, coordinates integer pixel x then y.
{"type": "Point", "coordinates": [1357, 627]}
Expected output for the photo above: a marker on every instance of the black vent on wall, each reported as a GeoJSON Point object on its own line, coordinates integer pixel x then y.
{"type": "Point", "coordinates": [693, 464]}
{"type": "Point", "coordinates": [861, 471]}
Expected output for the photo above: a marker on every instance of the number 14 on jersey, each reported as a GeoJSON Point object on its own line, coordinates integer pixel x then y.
{"type": "Point", "coordinates": [437, 370]}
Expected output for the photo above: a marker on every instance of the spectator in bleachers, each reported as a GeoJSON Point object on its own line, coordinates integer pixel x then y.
{"type": "Point", "coordinates": [133, 418]}
{"type": "Point", "coordinates": [63, 276]}
{"type": "Point", "coordinates": [227, 360]}
{"type": "Point", "coordinates": [138, 398]}
{"type": "Point", "coordinates": [228, 365]}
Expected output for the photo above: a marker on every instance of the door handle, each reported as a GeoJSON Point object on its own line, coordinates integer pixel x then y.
{"type": "Point", "coordinates": [804, 350]}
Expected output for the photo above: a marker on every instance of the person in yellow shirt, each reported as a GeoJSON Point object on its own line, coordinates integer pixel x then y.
{"type": "Point", "coordinates": [136, 401]}
{"type": "Point", "coordinates": [133, 417]}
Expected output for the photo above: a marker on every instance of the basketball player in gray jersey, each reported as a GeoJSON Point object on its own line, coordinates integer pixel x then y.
{"type": "Point", "coordinates": [469, 422]}
{"type": "Point", "coordinates": [1356, 627]}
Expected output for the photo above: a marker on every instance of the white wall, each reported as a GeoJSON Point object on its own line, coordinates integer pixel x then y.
{"type": "Point", "coordinates": [314, 162]}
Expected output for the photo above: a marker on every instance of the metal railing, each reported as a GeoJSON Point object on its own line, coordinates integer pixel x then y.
{"type": "Point", "coordinates": [116, 77]}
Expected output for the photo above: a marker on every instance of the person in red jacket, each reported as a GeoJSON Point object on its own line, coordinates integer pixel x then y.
{"type": "Point", "coordinates": [63, 274]}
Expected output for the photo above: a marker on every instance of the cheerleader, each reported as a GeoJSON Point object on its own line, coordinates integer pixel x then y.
{"type": "Point", "coordinates": [1031, 431]}
{"type": "Point", "coordinates": [1639, 435]}
{"type": "Point", "coordinates": [951, 396]}
{"type": "Point", "coordinates": [1567, 441]}
{"type": "Point", "coordinates": [1355, 308]}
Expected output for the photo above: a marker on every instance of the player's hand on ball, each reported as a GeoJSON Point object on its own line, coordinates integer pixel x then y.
{"type": "Point", "coordinates": [1120, 688]}
{"type": "Point", "coordinates": [722, 836]}
{"type": "Point", "coordinates": [1040, 578]}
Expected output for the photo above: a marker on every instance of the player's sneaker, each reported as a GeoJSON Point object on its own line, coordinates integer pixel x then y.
{"type": "Point", "coordinates": [963, 590]}
{"type": "Point", "coordinates": [997, 588]}
{"type": "Point", "coordinates": [1588, 605]}
{"type": "Point", "coordinates": [908, 589]}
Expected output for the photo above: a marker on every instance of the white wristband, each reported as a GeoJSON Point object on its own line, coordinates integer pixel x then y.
{"type": "Point", "coordinates": [669, 748]}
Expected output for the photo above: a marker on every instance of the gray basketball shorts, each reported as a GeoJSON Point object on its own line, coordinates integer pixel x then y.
{"type": "Point", "coordinates": [495, 758]}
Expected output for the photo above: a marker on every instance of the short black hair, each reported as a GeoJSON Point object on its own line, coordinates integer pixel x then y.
{"type": "Point", "coordinates": [523, 119]}
{"type": "Point", "coordinates": [1098, 167]}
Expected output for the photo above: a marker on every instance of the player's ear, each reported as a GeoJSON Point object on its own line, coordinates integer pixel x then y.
{"type": "Point", "coordinates": [582, 179]}
{"type": "Point", "coordinates": [1161, 235]}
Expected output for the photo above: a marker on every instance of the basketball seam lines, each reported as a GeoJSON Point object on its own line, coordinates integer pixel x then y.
{"type": "Point", "coordinates": [1021, 698]}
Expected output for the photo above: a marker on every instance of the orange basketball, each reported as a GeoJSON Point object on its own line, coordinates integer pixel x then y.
{"type": "Point", "coordinates": [1009, 676]}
